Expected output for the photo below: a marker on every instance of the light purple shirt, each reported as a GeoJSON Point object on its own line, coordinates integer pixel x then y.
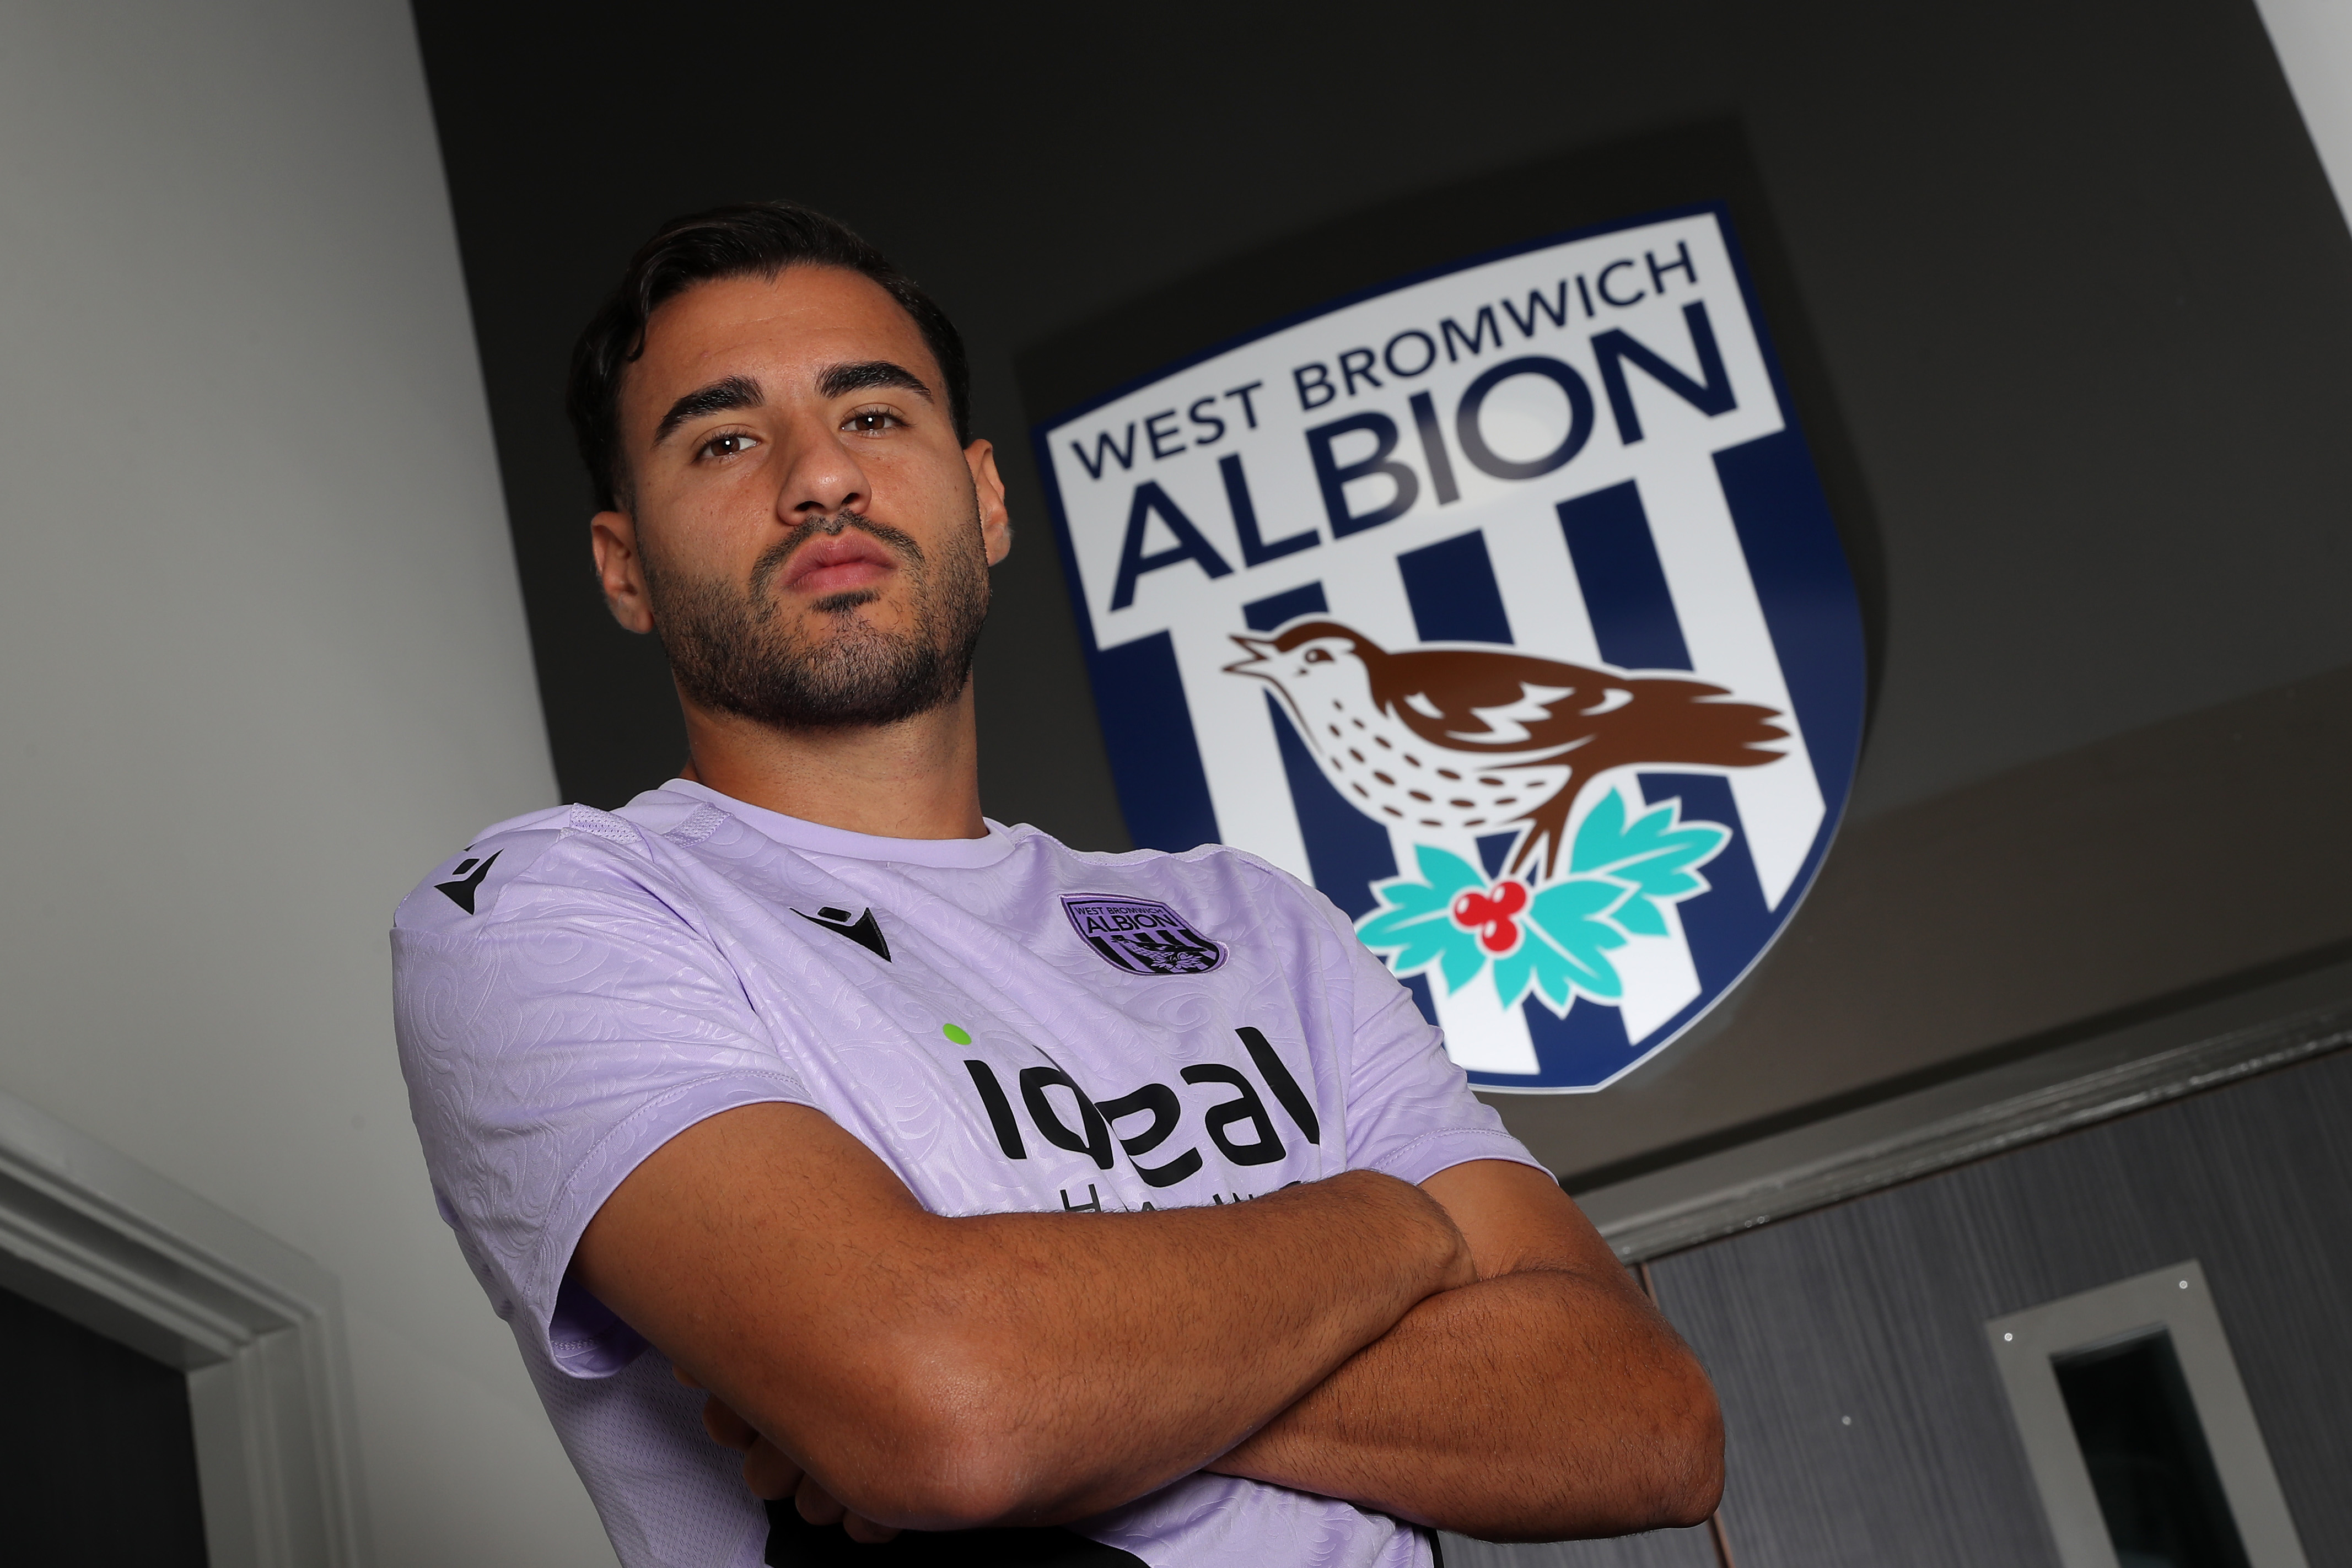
{"type": "Point", "coordinates": [1048, 1030]}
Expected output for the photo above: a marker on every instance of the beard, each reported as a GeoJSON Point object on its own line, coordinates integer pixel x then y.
{"type": "Point", "coordinates": [730, 650]}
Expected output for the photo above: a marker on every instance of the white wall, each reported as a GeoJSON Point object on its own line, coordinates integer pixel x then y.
{"type": "Point", "coordinates": [2314, 40]}
{"type": "Point", "coordinates": [262, 663]}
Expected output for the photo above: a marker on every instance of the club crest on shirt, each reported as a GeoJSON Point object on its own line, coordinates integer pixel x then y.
{"type": "Point", "coordinates": [1140, 936]}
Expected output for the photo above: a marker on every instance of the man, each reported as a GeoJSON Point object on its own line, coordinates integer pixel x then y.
{"type": "Point", "coordinates": [985, 1186]}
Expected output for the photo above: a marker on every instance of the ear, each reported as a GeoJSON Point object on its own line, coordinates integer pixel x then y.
{"type": "Point", "coordinates": [620, 568]}
{"type": "Point", "coordinates": [988, 488]}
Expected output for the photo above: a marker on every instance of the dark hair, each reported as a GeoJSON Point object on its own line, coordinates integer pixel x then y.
{"type": "Point", "coordinates": [738, 241]}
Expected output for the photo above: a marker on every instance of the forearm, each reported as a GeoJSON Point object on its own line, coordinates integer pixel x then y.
{"type": "Point", "coordinates": [944, 1372]}
{"type": "Point", "coordinates": [1521, 1407]}
{"type": "Point", "coordinates": [1114, 1353]}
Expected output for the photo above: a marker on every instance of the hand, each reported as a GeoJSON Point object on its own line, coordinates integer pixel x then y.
{"type": "Point", "coordinates": [771, 1473]}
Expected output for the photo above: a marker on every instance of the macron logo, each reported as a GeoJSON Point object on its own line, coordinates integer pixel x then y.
{"type": "Point", "coordinates": [461, 891]}
{"type": "Point", "coordinates": [866, 931]}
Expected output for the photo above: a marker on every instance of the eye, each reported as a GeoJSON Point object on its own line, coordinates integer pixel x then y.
{"type": "Point", "coordinates": [871, 421]}
{"type": "Point", "coordinates": [733, 444]}
{"type": "Point", "coordinates": [1318, 655]}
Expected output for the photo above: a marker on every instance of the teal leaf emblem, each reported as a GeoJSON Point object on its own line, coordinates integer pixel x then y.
{"type": "Point", "coordinates": [1621, 870]}
{"type": "Point", "coordinates": [1656, 855]}
{"type": "Point", "coordinates": [1415, 921]}
{"type": "Point", "coordinates": [1564, 949]}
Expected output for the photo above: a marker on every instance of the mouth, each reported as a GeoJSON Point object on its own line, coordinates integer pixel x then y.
{"type": "Point", "coordinates": [838, 563]}
{"type": "Point", "coordinates": [1259, 650]}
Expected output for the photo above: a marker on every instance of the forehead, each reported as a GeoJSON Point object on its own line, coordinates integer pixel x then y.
{"type": "Point", "coordinates": [779, 331]}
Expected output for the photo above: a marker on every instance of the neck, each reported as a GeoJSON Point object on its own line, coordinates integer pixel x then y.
{"type": "Point", "coordinates": [917, 778]}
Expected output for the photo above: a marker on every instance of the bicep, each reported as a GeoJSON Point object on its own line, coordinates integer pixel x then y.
{"type": "Point", "coordinates": [546, 1053]}
{"type": "Point", "coordinates": [740, 1247]}
{"type": "Point", "coordinates": [1517, 1217]}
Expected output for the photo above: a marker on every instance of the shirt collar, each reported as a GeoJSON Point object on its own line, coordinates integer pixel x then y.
{"type": "Point", "coordinates": [816, 838]}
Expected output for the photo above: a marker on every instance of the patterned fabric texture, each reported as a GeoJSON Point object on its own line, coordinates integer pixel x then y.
{"type": "Point", "coordinates": [1009, 1024]}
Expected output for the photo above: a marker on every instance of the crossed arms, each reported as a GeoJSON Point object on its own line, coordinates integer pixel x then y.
{"type": "Point", "coordinates": [1466, 1354]}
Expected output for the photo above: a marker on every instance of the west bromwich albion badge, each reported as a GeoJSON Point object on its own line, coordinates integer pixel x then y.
{"type": "Point", "coordinates": [1504, 605]}
{"type": "Point", "coordinates": [1139, 936]}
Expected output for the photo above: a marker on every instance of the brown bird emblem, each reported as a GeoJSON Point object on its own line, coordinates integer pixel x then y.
{"type": "Point", "coordinates": [1471, 738]}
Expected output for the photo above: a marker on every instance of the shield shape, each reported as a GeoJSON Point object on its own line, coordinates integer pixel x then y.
{"type": "Point", "coordinates": [1140, 936]}
{"type": "Point", "coordinates": [1503, 604]}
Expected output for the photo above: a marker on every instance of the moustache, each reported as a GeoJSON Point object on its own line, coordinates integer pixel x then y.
{"type": "Point", "coordinates": [772, 560]}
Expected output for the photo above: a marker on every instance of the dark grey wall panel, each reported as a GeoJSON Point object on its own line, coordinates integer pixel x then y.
{"type": "Point", "coordinates": [1660, 1548]}
{"type": "Point", "coordinates": [1873, 1310]}
{"type": "Point", "coordinates": [1861, 1430]}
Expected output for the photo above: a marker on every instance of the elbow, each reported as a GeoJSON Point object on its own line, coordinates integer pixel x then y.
{"type": "Point", "coordinates": [1689, 1497]}
{"type": "Point", "coordinates": [934, 1446]}
{"type": "Point", "coordinates": [1685, 1485]}
{"type": "Point", "coordinates": [1663, 1470]}
{"type": "Point", "coordinates": [944, 1479]}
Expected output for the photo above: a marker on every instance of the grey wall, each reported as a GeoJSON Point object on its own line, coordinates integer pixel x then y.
{"type": "Point", "coordinates": [263, 663]}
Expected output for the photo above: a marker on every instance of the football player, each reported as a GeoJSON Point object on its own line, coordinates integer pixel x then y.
{"type": "Point", "coordinates": [986, 1200]}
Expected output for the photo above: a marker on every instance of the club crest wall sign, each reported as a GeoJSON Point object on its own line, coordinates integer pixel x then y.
{"type": "Point", "coordinates": [1502, 604]}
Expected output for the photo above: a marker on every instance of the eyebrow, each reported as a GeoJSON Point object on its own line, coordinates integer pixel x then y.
{"type": "Point", "coordinates": [836, 381]}
{"type": "Point", "coordinates": [734, 392]}
{"type": "Point", "coordinates": [741, 391]}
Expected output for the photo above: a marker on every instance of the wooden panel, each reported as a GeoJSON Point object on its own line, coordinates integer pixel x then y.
{"type": "Point", "coordinates": [1866, 1421]}
{"type": "Point", "coordinates": [1660, 1548]}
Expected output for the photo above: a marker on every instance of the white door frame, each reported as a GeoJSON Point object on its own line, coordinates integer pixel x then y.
{"type": "Point", "coordinates": [96, 1236]}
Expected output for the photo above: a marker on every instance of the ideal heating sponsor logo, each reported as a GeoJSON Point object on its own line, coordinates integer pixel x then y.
{"type": "Point", "coordinates": [1143, 1123]}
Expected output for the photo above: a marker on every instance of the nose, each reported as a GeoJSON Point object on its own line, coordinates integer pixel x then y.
{"type": "Point", "coordinates": [822, 477]}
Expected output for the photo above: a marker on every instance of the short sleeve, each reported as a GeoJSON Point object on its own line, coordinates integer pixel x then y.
{"type": "Point", "coordinates": [1411, 1113]}
{"type": "Point", "coordinates": [548, 1052]}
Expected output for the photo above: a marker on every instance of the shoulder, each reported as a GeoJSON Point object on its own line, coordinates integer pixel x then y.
{"type": "Point", "coordinates": [514, 865]}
